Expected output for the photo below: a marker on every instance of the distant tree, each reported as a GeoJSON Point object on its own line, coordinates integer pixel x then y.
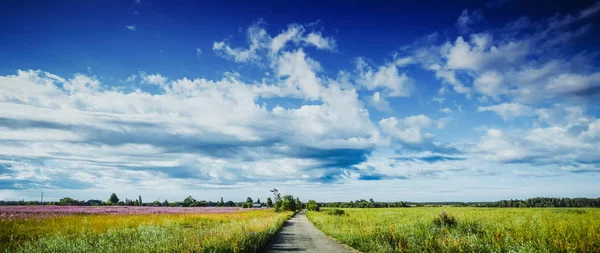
{"type": "Point", "coordinates": [298, 204]}
{"type": "Point", "coordinates": [156, 203]}
{"type": "Point", "coordinates": [221, 203]}
{"type": "Point", "coordinates": [113, 199]}
{"type": "Point", "coordinates": [258, 201]}
{"type": "Point", "coordinates": [165, 203]}
{"type": "Point", "coordinates": [312, 205]}
{"type": "Point", "coordinates": [66, 201]}
{"type": "Point", "coordinates": [288, 203]}
{"type": "Point", "coordinates": [249, 200]}
{"type": "Point", "coordinates": [189, 201]}
{"type": "Point", "coordinates": [269, 202]}
{"type": "Point", "coordinates": [230, 203]}
{"type": "Point", "coordinates": [278, 200]}
{"type": "Point", "coordinates": [140, 202]}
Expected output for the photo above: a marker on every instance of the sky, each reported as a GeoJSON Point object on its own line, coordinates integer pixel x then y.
{"type": "Point", "coordinates": [331, 100]}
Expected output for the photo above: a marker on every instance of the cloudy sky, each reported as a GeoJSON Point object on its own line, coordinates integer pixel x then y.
{"type": "Point", "coordinates": [334, 102]}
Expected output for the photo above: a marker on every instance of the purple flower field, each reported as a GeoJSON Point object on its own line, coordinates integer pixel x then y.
{"type": "Point", "coordinates": [21, 212]}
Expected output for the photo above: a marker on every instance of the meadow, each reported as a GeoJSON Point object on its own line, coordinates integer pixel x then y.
{"type": "Point", "coordinates": [136, 229]}
{"type": "Point", "coordinates": [426, 229]}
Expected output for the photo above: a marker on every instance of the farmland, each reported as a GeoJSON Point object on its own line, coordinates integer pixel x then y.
{"type": "Point", "coordinates": [473, 229]}
{"type": "Point", "coordinates": [136, 229]}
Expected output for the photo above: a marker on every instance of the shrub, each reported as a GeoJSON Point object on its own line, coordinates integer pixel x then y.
{"type": "Point", "coordinates": [444, 219]}
{"type": "Point", "coordinates": [312, 206]}
{"type": "Point", "coordinates": [335, 212]}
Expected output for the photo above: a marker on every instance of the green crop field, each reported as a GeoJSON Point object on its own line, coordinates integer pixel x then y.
{"type": "Point", "coordinates": [473, 229]}
{"type": "Point", "coordinates": [239, 231]}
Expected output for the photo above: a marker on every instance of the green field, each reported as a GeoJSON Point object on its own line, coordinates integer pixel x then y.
{"type": "Point", "coordinates": [476, 229]}
{"type": "Point", "coordinates": [246, 231]}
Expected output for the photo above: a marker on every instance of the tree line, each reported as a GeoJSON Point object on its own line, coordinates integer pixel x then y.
{"type": "Point", "coordinates": [114, 200]}
{"type": "Point", "coordinates": [289, 203]}
{"type": "Point", "coordinates": [531, 202]}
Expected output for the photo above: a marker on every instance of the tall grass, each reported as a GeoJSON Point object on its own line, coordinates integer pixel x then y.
{"type": "Point", "coordinates": [475, 229]}
{"type": "Point", "coordinates": [227, 232]}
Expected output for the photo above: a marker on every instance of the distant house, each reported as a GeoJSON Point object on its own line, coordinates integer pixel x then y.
{"type": "Point", "coordinates": [256, 205]}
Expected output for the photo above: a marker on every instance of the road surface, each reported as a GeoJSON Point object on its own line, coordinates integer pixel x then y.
{"type": "Point", "coordinates": [299, 235]}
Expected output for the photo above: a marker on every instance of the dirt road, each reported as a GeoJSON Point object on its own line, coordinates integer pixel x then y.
{"type": "Point", "coordinates": [299, 235]}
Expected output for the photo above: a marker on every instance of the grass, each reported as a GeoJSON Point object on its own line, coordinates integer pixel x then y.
{"type": "Point", "coordinates": [474, 230]}
{"type": "Point", "coordinates": [224, 232]}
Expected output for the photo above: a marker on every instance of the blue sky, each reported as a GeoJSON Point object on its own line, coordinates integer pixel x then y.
{"type": "Point", "coordinates": [332, 101]}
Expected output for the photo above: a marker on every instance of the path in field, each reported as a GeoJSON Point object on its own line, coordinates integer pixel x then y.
{"type": "Point", "coordinates": [300, 235]}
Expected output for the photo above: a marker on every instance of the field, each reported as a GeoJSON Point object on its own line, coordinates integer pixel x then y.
{"type": "Point", "coordinates": [475, 229]}
{"type": "Point", "coordinates": [136, 229]}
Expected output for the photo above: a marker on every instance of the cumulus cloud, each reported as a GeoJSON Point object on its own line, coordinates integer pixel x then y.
{"type": "Point", "coordinates": [555, 142]}
{"type": "Point", "coordinates": [155, 79]}
{"type": "Point", "coordinates": [130, 27]}
{"type": "Point", "coordinates": [387, 77]}
{"type": "Point", "coordinates": [379, 102]}
{"type": "Point", "coordinates": [194, 129]}
{"type": "Point", "coordinates": [407, 130]}
{"type": "Point", "coordinates": [524, 61]}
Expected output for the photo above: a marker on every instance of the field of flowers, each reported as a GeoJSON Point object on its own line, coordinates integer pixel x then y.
{"type": "Point", "coordinates": [136, 229]}
{"type": "Point", "coordinates": [426, 229]}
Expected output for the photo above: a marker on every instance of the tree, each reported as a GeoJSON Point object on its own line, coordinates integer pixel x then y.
{"type": "Point", "coordinates": [312, 205]}
{"type": "Point", "coordinates": [230, 203]}
{"type": "Point", "coordinates": [156, 203]}
{"type": "Point", "coordinates": [278, 200]}
{"type": "Point", "coordinates": [221, 203]}
{"type": "Point", "coordinates": [249, 200]}
{"type": "Point", "coordinates": [113, 199]}
{"type": "Point", "coordinates": [298, 204]}
{"type": "Point", "coordinates": [269, 202]}
{"type": "Point", "coordinates": [165, 203]}
{"type": "Point", "coordinates": [258, 201]}
{"type": "Point", "coordinates": [140, 200]}
{"type": "Point", "coordinates": [189, 201]}
{"type": "Point", "coordinates": [288, 203]}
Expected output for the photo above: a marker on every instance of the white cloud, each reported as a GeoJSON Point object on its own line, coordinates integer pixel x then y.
{"type": "Point", "coordinates": [130, 27]}
{"type": "Point", "coordinates": [508, 111]}
{"type": "Point", "coordinates": [386, 76]}
{"type": "Point", "coordinates": [407, 130]}
{"type": "Point", "coordinates": [299, 73]}
{"type": "Point", "coordinates": [320, 42]}
{"type": "Point", "coordinates": [379, 102]}
{"type": "Point", "coordinates": [156, 79]}
{"type": "Point", "coordinates": [558, 142]}
{"type": "Point", "coordinates": [446, 110]}
{"type": "Point", "coordinates": [195, 128]}
{"type": "Point", "coordinates": [198, 52]}
{"type": "Point", "coordinates": [491, 84]}
{"type": "Point", "coordinates": [262, 43]}
{"type": "Point", "coordinates": [524, 61]}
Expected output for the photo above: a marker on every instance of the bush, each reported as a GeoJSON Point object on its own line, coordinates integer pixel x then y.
{"type": "Point", "coordinates": [335, 212]}
{"type": "Point", "coordinates": [444, 219]}
{"type": "Point", "coordinates": [312, 206]}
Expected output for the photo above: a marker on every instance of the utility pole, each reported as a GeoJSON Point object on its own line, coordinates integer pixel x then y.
{"type": "Point", "coordinates": [42, 199]}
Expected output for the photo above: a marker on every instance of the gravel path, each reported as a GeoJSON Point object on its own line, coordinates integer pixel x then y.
{"type": "Point", "coordinates": [299, 235]}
